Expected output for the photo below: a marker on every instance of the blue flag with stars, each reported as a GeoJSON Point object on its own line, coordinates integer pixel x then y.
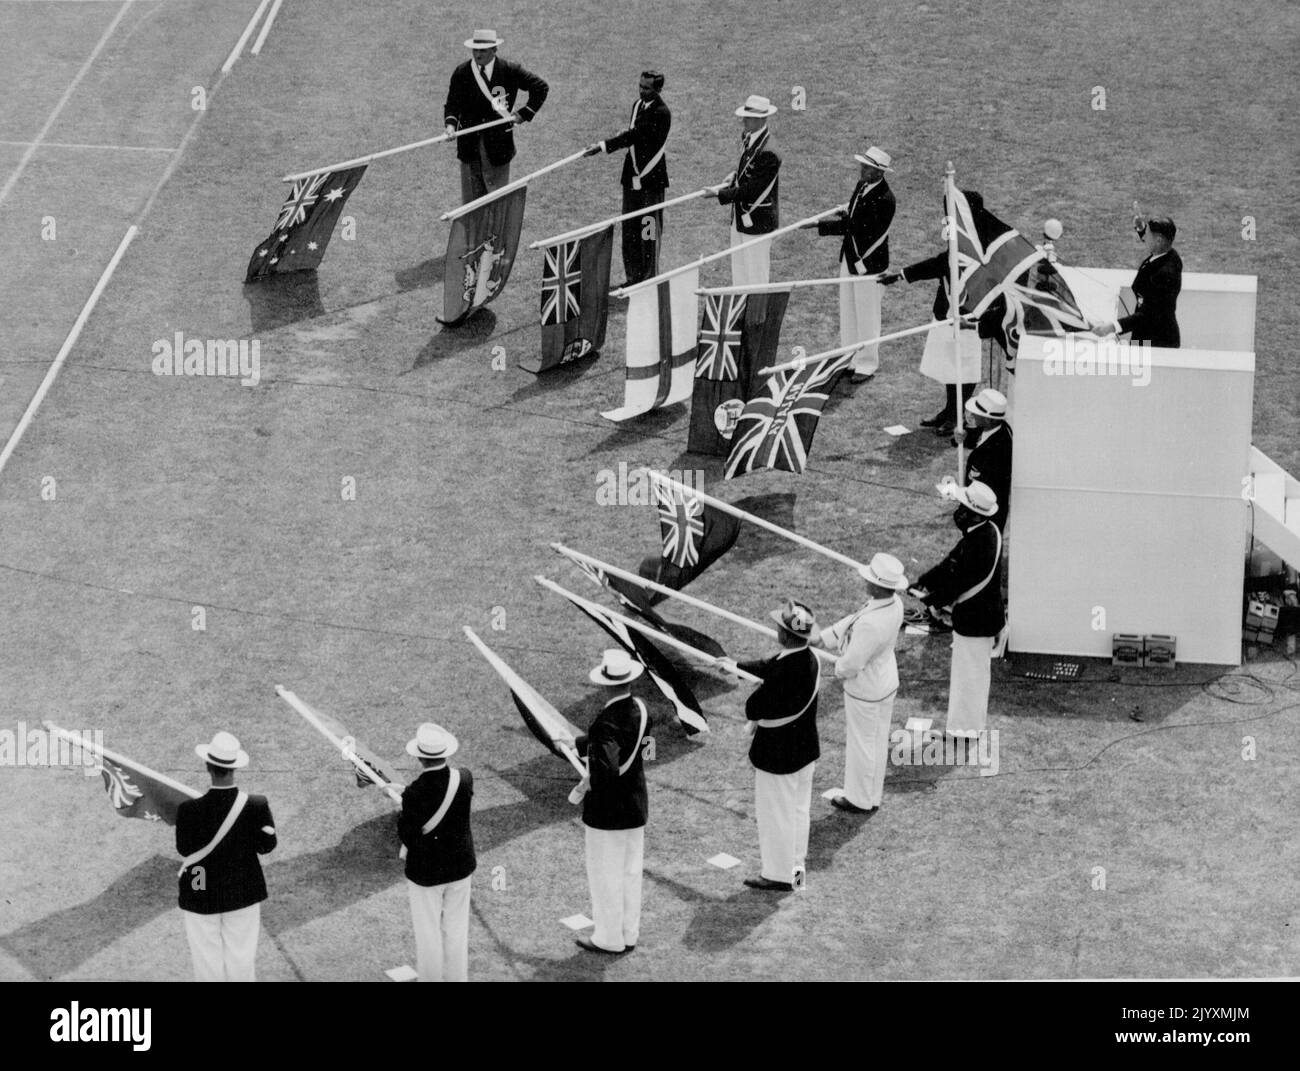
{"type": "Point", "coordinates": [306, 222]}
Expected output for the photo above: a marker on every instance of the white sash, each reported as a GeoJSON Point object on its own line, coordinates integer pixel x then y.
{"type": "Point", "coordinates": [985, 582]}
{"type": "Point", "coordinates": [241, 798]}
{"type": "Point", "coordinates": [498, 105]}
{"type": "Point", "coordinates": [640, 734]}
{"type": "Point", "coordinates": [777, 723]}
{"type": "Point", "coordinates": [638, 172]}
{"type": "Point", "coordinates": [453, 783]}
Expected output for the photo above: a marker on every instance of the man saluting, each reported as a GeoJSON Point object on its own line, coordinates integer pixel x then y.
{"type": "Point", "coordinates": [483, 89]}
{"type": "Point", "coordinates": [645, 176]}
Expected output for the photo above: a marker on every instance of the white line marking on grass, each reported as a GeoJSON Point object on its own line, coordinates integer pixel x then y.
{"type": "Point", "coordinates": [243, 38]}
{"type": "Point", "coordinates": [266, 27]}
{"type": "Point", "coordinates": [69, 145]}
{"type": "Point", "coordinates": [63, 100]}
{"type": "Point", "coordinates": [65, 349]}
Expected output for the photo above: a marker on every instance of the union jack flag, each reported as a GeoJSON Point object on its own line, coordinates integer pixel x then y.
{"type": "Point", "coordinates": [718, 356]}
{"type": "Point", "coordinates": [776, 429]}
{"type": "Point", "coordinates": [681, 524]}
{"type": "Point", "coordinates": [561, 283]}
{"type": "Point", "coordinates": [986, 271]}
{"type": "Point", "coordinates": [1046, 306]}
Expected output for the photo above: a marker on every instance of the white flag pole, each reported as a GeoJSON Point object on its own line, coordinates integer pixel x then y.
{"type": "Point", "coordinates": [592, 228]}
{"type": "Point", "coordinates": [644, 629]}
{"type": "Point", "coordinates": [306, 711]}
{"type": "Point", "coordinates": [954, 315]}
{"type": "Point", "coordinates": [393, 152]}
{"type": "Point", "coordinates": [727, 507]}
{"type": "Point", "coordinates": [627, 290]}
{"type": "Point", "coordinates": [689, 600]}
{"type": "Point", "coordinates": [496, 195]}
{"type": "Point", "coordinates": [794, 284]}
{"type": "Point", "coordinates": [839, 351]}
{"type": "Point", "coordinates": [77, 740]}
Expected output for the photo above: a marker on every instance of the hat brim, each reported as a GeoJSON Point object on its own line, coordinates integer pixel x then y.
{"type": "Point", "coordinates": [962, 499]}
{"type": "Point", "coordinates": [597, 676]}
{"type": "Point", "coordinates": [872, 163]}
{"type": "Point", "coordinates": [241, 758]}
{"type": "Point", "coordinates": [413, 749]}
{"type": "Point", "coordinates": [471, 43]}
{"type": "Point", "coordinates": [746, 113]}
{"type": "Point", "coordinates": [775, 615]}
{"type": "Point", "coordinates": [881, 582]}
{"type": "Point", "coordinates": [975, 410]}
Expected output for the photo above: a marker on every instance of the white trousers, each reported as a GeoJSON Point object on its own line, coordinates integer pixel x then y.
{"type": "Point", "coordinates": [614, 874]}
{"type": "Point", "coordinates": [866, 749]}
{"type": "Point", "coordinates": [783, 805]}
{"type": "Point", "coordinates": [859, 319]}
{"type": "Point", "coordinates": [224, 946]}
{"type": "Point", "coordinates": [968, 684]}
{"type": "Point", "coordinates": [440, 915]}
{"type": "Point", "coordinates": [753, 265]}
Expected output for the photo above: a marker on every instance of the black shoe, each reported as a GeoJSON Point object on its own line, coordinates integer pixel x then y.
{"type": "Point", "coordinates": [589, 945]}
{"type": "Point", "coordinates": [842, 803]}
{"type": "Point", "coordinates": [861, 377]}
{"type": "Point", "coordinates": [769, 886]}
{"type": "Point", "coordinates": [939, 419]}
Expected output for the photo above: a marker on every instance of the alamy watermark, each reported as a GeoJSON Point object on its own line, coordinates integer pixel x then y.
{"type": "Point", "coordinates": [41, 747]}
{"type": "Point", "coordinates": [226, 357]}
{"type": "Point", "coordinates": [930, 747]}
{"type": "Point", "coordinates": [1074, 355]}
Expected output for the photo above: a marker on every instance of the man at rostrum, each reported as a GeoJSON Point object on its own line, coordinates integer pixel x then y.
{"type": "Point", "coordinates": [645, 176]}
{"type": "Point", "coordinates": [482, 89]}
{"type": "Point", "coordinates": [220, 835]}
{"type": "Point", "coordinates": [435, 829]}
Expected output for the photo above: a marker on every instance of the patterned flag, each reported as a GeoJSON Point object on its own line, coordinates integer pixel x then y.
{"type": "Point", "coordinates": [575, 300]}
{"type": "Point", "coordinates": [1043, 305]}
{"type": "Point", "coordinates": [661, 324]}
{"type": "Point", "coordinates": [776, 429]}
{"type": "Point", "coordinates": [986, 270]}
{"type": "Point", "coordinates": [368, 768]}
{"type": "Point", "coordinates": [661, 671]}
{"type": "Point", "coordinates": [694, 535]}
{"type": "Point", "coordinates": [480, 253]}
{"type": "Point", "coordinates": [305, 225]}
{"type": "Point", "coordinates": [748, 333]}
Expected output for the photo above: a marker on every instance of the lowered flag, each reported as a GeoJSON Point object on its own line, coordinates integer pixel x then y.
{"type": "Point", "coordinates": [368, 767]}
{"type": "Point", "coordinates": [305, 225]}
{"type": "Point", "coordinates": [575, 300]}
{"type": "Point", "coordinates": [661, 323]}
{"type": "Point", "coordinates": [135, 791]}
{"type": "Point", "coordinates": [776, 429]}
{"type": "Point", "coordinates": [739, 334]}
{"type": "Point", "coordinates": [555, 732]}
{"type": "Point", "coordinates": [480, 253]}
{"type": "Point", "coordinates": [693, 534]}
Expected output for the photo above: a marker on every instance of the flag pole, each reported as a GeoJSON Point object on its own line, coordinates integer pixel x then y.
{"type": "Point", "coordinates": [96, 749]}
{"type": "Point", "coordinates": [306, 711]}
{"type": "Point", "coordinates": [954, 315]}
{"type": "Point", "coordinates": [689, 600]}
{"type": "Point", "coordinates": [652, 633]}
{"type": "Point", "coordinates": [593, 227]}
{"type": "Point", "coordinates": [795, 284]}
{"type": "Point", "coordinates": [727, 507]}
{"type": "Point", "coordinates": [496, 195]}
{"type": "Point", "coordinates": [627, 290]}
{"type": "Point", "coordinates": [393, 152]}
{"type": "Point", "coordinates": [839, 351]}
{"type": "Point", "coordinates": [497, 664]}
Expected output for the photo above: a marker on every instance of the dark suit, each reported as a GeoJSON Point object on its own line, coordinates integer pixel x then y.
{"type": "Point", "coordinates": [447, 853]}
{"type": "Point", "coordinates": [643, 184]}
{"type": "Point", "coordinates": [758, 169]}
{"type": "Point", "coordinates": [231, 873]}
{"type": "Point", "coordinates": [1156, 287]}
{"type": "Point", "coordinates": [969, 562]}
{"type": "Point", "coordinates": [615, 801]}
{"type": "Point", "coordinates": [485, 157]}
{"type": "Point", "coordinates": [865, 249]}
{"type": "Point", "coordinates": [990, 463]}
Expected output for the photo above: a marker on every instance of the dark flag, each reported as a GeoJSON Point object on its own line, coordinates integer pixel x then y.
{"type": "Point", "coordinates": [1042, 305]}
{"type": "Point", "coordinates": [575, 300]}
{"type": "Point", "coordinates": [480, 253]}
{"type": "Point", "coordinates": [305, 225]}
{"type": "Point", "coordinates": [776, 429]}
{"type": "Point", "coordinates": [694, 535]}
{"type": "Point", "coordinates": [738, 335]}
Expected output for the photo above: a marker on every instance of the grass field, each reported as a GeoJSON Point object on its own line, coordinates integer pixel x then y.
{"type": "Point", "coordinates": [176, 493]}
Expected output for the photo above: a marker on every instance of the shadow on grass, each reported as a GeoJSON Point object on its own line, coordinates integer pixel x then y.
{"type": "Point", "coordinates": [476, 330]}
{"type": "Point", "coordinates": [555, 378]}
{"type": "Point", "coordinates": [425, 274]}
{"type": "Point", "coordinates": [278, 300]}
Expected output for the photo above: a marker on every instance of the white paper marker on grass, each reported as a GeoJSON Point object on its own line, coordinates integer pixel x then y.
{"type": "Point", "coordinates": [577, 922]}
{"type": "Point", "coordinates": [723, 861]}
{"type": "Point", "coordinates": [404, 973]}
{"type": "Point", "coordinates": [898, 429]}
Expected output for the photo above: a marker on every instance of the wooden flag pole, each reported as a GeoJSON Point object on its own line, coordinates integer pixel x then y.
{"type": "Point", "coordinates": [727, 507]}
{"type": "Point", "coordinates": [593, 227]}
{"type": "Point", "coordinates": [689, 600]}
{"type": "Point", "coordinates": [954, 315]}
{"type": "Point", "coordinates": [646, 630]}
{"type": "Point", "coordinates": [306, 711]}
{"type": "Point", "coordinates": [803, 362]}
{"type": "Point", "coordinates": [496, 195]}
{"type": "Point", "coordinates": [795, 284]}
{"type": "Point", "coordinates": [625, 291]}
{"type": "Point", "coordinates": [88, 745]}
{"type": "Point", "coordinates": [393, 152]}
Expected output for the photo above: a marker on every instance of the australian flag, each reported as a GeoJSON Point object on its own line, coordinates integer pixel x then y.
{"type": "Point", "coordinates": [305, 225]}
{"type": "Point", "coordinates": [575, 299]}
{"type": "Point", "coordinates": [694, 535]}
{"type": "Point", "coordinates": [776, 429]}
